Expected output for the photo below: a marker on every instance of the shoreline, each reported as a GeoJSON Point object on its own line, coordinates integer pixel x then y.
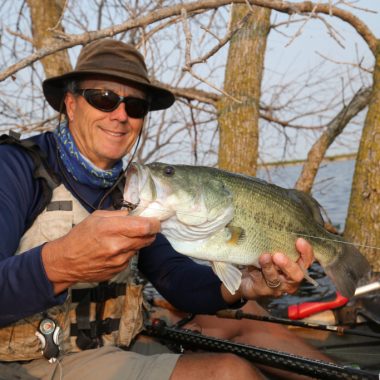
{"type": "Point", "coordinates": [340, 157]}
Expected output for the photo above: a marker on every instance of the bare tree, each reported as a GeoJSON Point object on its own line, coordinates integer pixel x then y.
{"type": "Point", "coordinates": [239, 107]}
{"type": "Point", "coordinates": [300, 106]}
{"type": "Point", "coordinates": [334, 128]}
{"type": "Point", "coordinates": [45, 21]}
{"type": "Point", "coordinates": [362, 226]}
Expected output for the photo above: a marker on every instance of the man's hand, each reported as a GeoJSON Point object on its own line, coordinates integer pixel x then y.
{"type": "Point", "coordinates": [278, 275]}
{"type": "Point", "coordinates": [97, 248]}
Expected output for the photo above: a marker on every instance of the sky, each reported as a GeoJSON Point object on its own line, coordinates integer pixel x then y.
{"type": "Point", "coordinates": [303, 53]}
{"type": "Point", "coordinates": [287, 60]}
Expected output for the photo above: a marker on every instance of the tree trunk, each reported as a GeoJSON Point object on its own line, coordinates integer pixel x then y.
{"type": "Point", "coordinates": [239, 120]}
{"type": "Point", "coordinates": [363, 220]}
{"type": "Point", "coordinates": [46, 19]}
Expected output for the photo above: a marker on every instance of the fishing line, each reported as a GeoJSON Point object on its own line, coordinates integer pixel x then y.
{"type": "Point", "coordinates": [122, 174]}
{"type": "Point", "coordinates": [124, 171]}
{"type": "Point", "coordinates": [132, 206]}
{"type": "Point", "coordinates": [335, 240]}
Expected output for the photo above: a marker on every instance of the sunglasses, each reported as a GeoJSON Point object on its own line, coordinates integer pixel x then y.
{"type": "Point", "coordinates": [108, 101]}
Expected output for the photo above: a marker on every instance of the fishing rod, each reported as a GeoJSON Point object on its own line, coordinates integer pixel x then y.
{"type": "Point", "coordinates": [290, 362]}
{"type": "Point", "coordinates": [340, 330]}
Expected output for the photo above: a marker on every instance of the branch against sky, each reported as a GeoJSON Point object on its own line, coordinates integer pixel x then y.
{"type": "Point", "coordinates": [334, 128]}
{"type": "Point", "coordinates": [65, 40]}
{"type": "Point", "coordinates": [284, 106]}
{"type": "Point", "coordinates": [290, 103]}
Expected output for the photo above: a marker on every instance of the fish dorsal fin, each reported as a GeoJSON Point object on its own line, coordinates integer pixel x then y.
{"type": "Point", "coordinates": [308, 203]}
{"type": "Point", "coordinates": [236, 235]}
{"type": "Point", "coordinates": [228, 274]}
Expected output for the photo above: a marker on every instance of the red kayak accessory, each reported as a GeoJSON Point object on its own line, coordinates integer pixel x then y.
{"type": "Point", "coordinates": [304, 310]}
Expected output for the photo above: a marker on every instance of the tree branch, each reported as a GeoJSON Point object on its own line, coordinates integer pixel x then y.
{"type": "Point", "coordinates": [194, 94]}
{"type": "Point", "coordinates": [334, 128]}
{"type": "Point", "coordinates": [65, 41]}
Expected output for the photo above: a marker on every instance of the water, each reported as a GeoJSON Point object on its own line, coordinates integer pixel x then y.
{"type": "Point", "coordinates": [331, 189]}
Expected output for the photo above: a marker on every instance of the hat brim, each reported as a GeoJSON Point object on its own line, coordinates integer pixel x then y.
{"type": "Point", "coordinates": [55, 88]}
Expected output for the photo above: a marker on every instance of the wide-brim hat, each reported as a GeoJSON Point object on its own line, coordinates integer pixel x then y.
{"type": "Point", "coordinates": [114, 59]}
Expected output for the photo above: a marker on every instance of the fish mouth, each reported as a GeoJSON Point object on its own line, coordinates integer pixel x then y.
{"type": "Point", "coordinates": [136, 178]}
{"type": "Point", "coordinates": [144, 194]}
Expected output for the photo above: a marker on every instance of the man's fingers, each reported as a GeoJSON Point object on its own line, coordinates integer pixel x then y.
{"type": "Point", "coordinates": [130, 221]}
{"type": "Point", "coordinates": [279, 273]}
{"type": "Point", "coordinates": [110, 213]}
{"type": "Point", "coordinates": [133, 226]}
{"type": "Point", "coordinates": [269, 271]}
{"type": "Point", "coordinates": [120, 222]}
{"type": "Point", "coordinates": [306, 253]}
{"type": "Point", "coordinates": [288, 267]}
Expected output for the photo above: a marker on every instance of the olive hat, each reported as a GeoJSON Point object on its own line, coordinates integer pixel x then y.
{"type": "Point", "coordinates": [116, 60]}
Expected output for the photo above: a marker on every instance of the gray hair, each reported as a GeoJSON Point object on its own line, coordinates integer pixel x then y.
{"type": "Point", "coordinates": [72, 86]}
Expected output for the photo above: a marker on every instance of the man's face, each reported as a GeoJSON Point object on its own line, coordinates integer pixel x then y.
{"type": "Point", "coordinates": [103, 137]}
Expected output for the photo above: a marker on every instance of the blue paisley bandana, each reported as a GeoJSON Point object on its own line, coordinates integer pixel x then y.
{"type": "Point", "coordinates": [79, 166]}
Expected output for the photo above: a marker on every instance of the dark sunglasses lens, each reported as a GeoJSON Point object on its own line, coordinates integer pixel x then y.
{"type": "Point", "coordinates": [108, 101]}
{"type": "Point", "coordinates": [103, 100]}
{"type": "Point", "coordinates": [136, 108]}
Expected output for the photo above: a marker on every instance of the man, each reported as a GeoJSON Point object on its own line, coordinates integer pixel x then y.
{"type": "Point", "coordinates": [68, 288]}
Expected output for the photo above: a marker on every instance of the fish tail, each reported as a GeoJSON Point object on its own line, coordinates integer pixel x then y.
{"type": "Point", "coordinates": [347, 269]}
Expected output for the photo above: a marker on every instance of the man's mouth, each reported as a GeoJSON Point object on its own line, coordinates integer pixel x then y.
{"type": "Point", "coordinates": [113, 133]}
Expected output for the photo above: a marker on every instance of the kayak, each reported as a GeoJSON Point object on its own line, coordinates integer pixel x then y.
{"type": "Point", "coordinates": [352, 337]}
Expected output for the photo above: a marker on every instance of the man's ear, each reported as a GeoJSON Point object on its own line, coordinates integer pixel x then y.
{"type": "Point", "coordinates": [70, 103]}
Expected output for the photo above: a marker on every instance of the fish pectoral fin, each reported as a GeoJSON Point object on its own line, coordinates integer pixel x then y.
{"type": "Point", "coordinates": [236, 235]}
{"type": "Point", "coordinates": [228, 274]}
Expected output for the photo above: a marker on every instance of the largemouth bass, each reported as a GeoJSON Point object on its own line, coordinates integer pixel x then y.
{"type": "Point", "coordinates": [231, 219]}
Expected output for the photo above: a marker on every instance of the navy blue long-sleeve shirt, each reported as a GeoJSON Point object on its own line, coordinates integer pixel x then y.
{"type": "Point", "coordinates": [24, 286]}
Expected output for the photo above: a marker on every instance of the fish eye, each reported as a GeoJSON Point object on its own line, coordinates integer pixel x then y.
{"type": "Point", "coordinates": [169, 170]}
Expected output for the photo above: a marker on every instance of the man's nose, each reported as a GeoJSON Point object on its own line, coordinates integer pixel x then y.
{"type": "Point", "coordinates": [120, 113]}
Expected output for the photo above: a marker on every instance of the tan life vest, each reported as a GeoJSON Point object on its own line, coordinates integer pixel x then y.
{"type": "Point", "coordinates": [121, 318]}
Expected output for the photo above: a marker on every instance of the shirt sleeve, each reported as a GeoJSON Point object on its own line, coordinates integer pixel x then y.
{"type": "Point", "coordinates": [187, 285]}
{"type": "Point", "coordinates": [24, 287]}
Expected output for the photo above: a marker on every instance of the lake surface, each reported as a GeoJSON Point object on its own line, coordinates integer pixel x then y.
{"type": "Point", "coordinates": [331, 189]}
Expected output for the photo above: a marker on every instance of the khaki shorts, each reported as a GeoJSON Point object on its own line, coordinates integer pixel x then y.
{"type": "Point", "coordinates": [146, 360]}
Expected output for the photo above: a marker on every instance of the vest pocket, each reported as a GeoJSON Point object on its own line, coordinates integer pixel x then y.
{"type": "Point", "coordinates": [131, 322]}
{"type": "Point", "coordinates": [55, 224]}
{"type": "Point", "coordinates": [20, 342]}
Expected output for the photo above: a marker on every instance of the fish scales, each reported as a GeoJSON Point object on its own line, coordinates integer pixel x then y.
{"type": "Point", "coordinates": [273, 220]}
{"type": "Point", "coordinates": [231, 219]}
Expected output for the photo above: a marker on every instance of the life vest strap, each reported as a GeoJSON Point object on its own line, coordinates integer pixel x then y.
{"type": "Point", "coordinates": [99, 293]}
{"type": "Point", "coordinates": [97, 328]}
